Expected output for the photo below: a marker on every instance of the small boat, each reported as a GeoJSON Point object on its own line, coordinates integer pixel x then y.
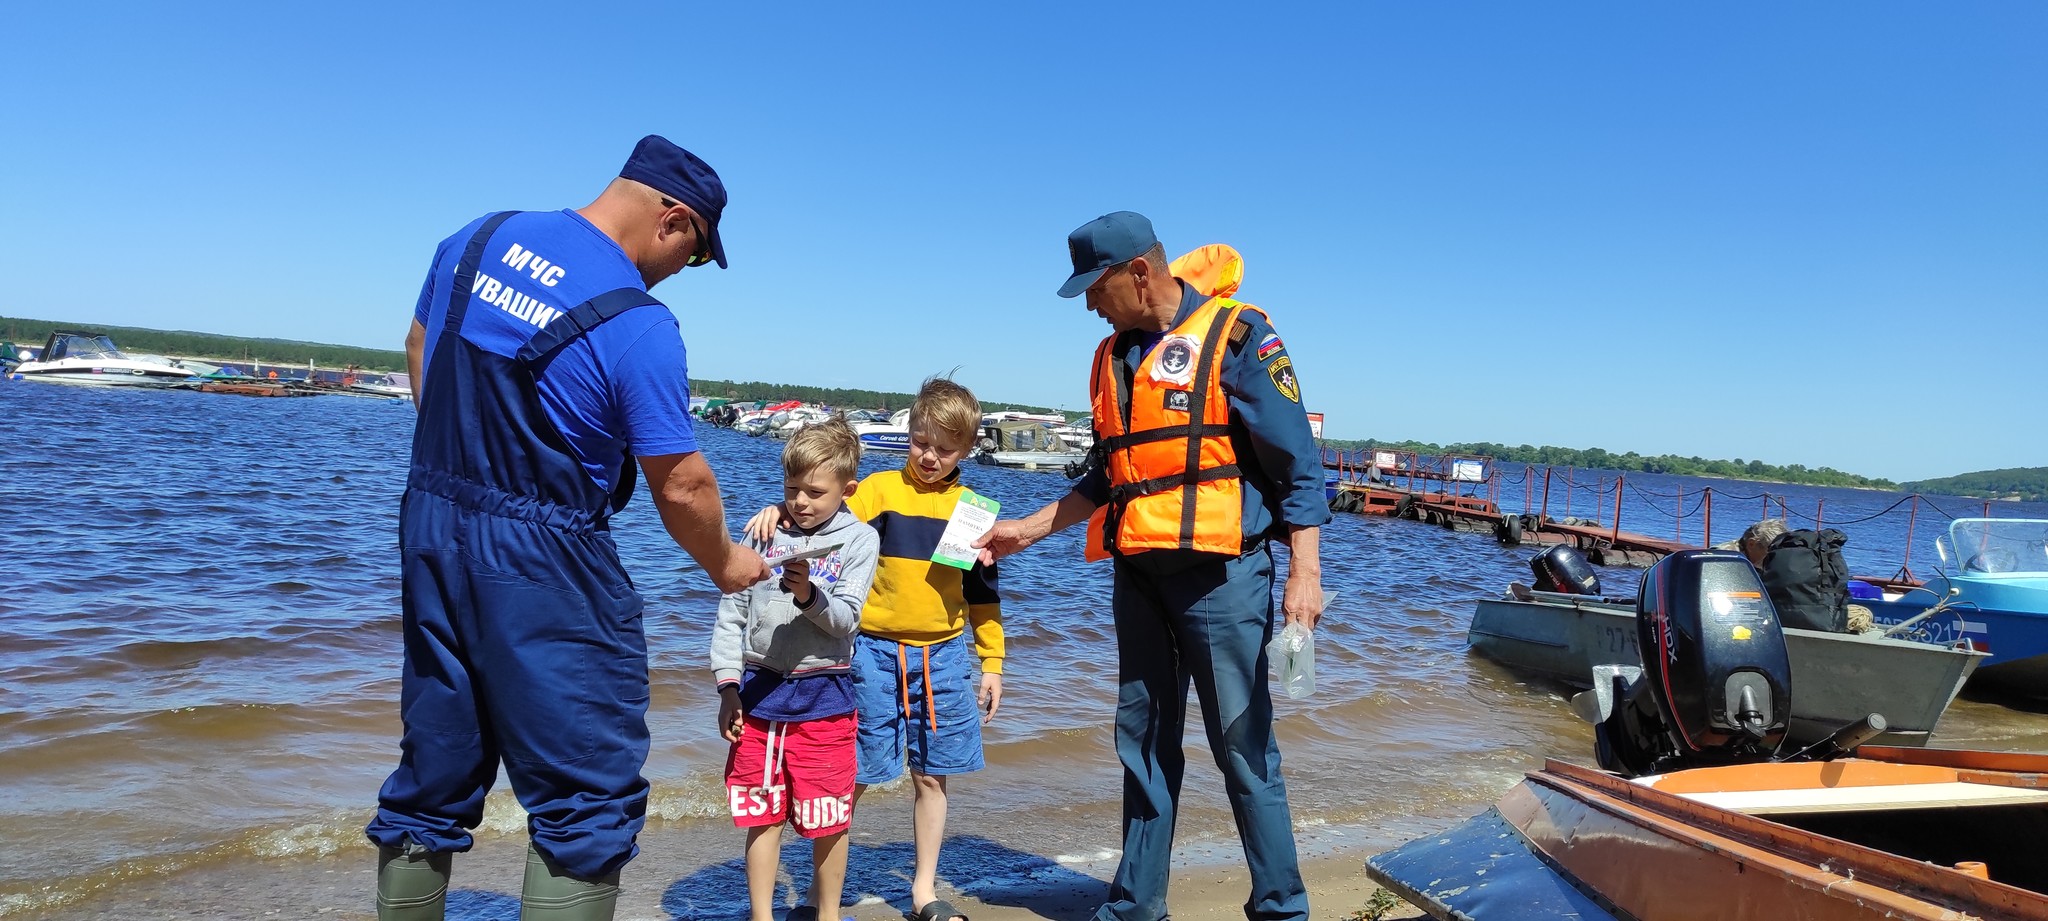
{"type": "Point", "coordinates": [1079, 434]}
{"type": "Point", "coordinates": [1703, 810]}
{"type": "Point", "coordinates": [797, 419]}
{"type": "Point", "coordinates": [1841, 675]}
{"type": "Point", "coordinates": [395, 385]}
{"type": "Point", "coordinates": [1026, 445]}
{"type": "Point", "coordinates": [891, 437]}
{"type": "Point", "coordinates": [1997, 601]}
{"type": "Point", "coordinates": [83, 358]}
{"type": "Point", "coordinates": [1893, 833]}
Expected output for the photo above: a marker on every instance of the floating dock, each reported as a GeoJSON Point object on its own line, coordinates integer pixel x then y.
{"type": "Point", "coordinates": [1463, 492]}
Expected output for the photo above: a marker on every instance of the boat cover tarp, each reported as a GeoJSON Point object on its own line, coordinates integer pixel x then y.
{"type": "Point", "coordinates": [1482, 870]}
{"type": "Point", "coordinates": [1026, 436]}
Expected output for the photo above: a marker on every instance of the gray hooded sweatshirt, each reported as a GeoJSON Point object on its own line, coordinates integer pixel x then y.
{"type": "Point", "coordinates": [763, 627]}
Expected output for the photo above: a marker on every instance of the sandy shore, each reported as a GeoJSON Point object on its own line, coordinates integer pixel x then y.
{"type": "Point", "coordinates": [695, 874]}
{"type": "Point", "coordinates": [1337, 888]}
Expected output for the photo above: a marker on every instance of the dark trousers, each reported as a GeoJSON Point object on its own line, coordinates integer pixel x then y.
{"type": "Point", "coordinates": [1205, 625]}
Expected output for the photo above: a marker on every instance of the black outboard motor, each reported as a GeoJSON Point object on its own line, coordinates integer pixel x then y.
{"type": "Point", "coordinates": [1715, 686]}
{"type": "Point", "coordinates": [1563, 569]}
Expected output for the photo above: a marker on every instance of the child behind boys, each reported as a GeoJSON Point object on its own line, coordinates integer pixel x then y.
{"type": "Point", "coordinates": [922, 694]}
{"type": "Point", "coordinates": [781, 654]}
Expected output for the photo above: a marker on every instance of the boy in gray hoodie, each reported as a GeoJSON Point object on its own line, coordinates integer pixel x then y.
{"type": "Point", "coordinates": [781, 653]}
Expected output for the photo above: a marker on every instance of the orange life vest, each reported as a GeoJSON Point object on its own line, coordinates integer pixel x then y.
{"type": "Point", "coordinates": [1173, 476]}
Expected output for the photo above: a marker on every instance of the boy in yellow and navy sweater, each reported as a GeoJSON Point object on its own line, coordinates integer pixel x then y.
{"type": "Point", "coordinates": [928, 663]}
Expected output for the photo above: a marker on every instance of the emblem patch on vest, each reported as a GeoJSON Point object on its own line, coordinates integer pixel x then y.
{"type": "Point", "coordinates": [1177, 357]}
{"type": "Point", "coordinates": [1282, 373]}
{"type": "Point", "coordinates": [1179, 401]}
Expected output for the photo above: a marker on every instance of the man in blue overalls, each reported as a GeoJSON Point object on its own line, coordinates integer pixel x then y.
{"type": "Point", "coordinates": [1189, 617]}
{"type": "Point", "coordinates": [543, 372]}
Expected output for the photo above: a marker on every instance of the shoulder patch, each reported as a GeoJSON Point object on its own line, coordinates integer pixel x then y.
{"type": "Point", "coordinates": [1240, 330]}
{"type": "Point", "coordinates": [1270, 346]}
{"type": "Point", "coordinates": [1282, 373]}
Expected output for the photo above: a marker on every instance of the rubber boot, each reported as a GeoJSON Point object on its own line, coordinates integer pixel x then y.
{"type": "Point", "coordinates": [412, 884]}
{"type": "Point", "coordinates": [551, 894]}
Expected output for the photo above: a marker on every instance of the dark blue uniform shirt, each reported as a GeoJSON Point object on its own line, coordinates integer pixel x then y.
{"type": "Point", "coordinates": [1281, 464]}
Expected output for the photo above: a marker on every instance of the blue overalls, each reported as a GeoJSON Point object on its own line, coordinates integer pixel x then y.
{"type": "Point", "coordinates": [523, 636]}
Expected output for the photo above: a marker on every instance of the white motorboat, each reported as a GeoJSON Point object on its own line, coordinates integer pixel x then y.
{"type": "Point", "coordinates": [83, 358]}
{"type": "Point", "coordinates": [394, 385]}
{"type": "Point", "coordinates": [891, 437]}
{"type": "Point", "coordinates": [1079, 434]}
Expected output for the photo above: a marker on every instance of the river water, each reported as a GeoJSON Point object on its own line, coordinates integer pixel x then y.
{"type": "Point", "coordinates": [199, 654]}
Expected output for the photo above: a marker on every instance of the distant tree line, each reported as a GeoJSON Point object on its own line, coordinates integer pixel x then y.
{"type": "Point", "coordinates": [1601, 458]}
{"type": "Point", "coordinates": [182, 344]}
{"type": "Point", "coordinates": [2027, 484]}
{"type": "Point", "coordinates": [747, 391]}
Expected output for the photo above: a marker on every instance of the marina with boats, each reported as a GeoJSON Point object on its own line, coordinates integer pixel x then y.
{"type": "Point", "coordinates": [89, 359]}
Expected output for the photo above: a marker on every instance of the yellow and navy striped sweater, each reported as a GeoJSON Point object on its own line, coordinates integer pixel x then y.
{"type": "Point", "coordinates": [915, 601]}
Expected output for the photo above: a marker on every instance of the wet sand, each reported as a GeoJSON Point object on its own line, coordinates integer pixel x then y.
{"type": "Point", "coordinates": [687, 877]}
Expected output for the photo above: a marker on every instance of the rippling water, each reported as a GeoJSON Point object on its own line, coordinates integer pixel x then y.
{"type": "Point", "coordinates": [199, 647]}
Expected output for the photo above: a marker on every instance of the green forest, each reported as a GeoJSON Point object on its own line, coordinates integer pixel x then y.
{"type": "Point", "coordinates": [2025, 484]}
{"type": "Point", "coordinates": [1603, 459]}
{"type": "Point", "coordinates": [182, 344]}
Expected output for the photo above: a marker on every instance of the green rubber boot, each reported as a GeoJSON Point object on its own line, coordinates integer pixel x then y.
{"type": "Point", "coordinates": [551, 894]}
{"type": "Point", "coordinates": [412, 884]}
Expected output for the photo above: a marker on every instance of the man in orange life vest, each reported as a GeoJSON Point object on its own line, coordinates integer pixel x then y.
{"type": "Point", "coordinates": [1203, 454]}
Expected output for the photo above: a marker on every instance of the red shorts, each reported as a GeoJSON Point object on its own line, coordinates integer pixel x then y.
{"type": "Point", "coordinates": [801, 773]}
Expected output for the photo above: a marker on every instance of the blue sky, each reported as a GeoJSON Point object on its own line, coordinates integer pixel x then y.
{"type": "Point", "coordinates": [1811, 233]}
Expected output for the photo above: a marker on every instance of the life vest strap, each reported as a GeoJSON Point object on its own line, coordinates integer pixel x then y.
{"type": "Point", "coordinates": [1168, 433]}
{"type": "Point", "coordinates": [1121, 497]}
{"type": "Point", "coordinates": [1129, 491]}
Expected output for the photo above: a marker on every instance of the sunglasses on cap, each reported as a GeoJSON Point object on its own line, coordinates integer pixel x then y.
{"type": "Point", "coordinates": [703, 253]}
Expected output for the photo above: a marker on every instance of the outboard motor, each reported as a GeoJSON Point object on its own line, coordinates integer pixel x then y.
{"type": "Point", "coordinates": [1715, 685]}
{"type": "Point", "coordinates": [1563, 569]}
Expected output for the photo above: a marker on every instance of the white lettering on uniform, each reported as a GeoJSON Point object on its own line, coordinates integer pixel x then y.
{"type": "Point", "coordinates": [516, 257]}
{"type": "Point", "coordinates": [534, 264]}
{"type": "Point", "coordinates": [532, 310]}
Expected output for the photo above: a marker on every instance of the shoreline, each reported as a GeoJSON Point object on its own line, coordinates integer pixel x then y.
{"type": "Point", "coordinates": [697, 873]}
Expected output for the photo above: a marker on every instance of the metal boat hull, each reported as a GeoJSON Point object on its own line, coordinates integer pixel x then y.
{"type": "Point", "coordinates": [1839, 677]}
{"type": "Point", "coordinates": [1996, 615]}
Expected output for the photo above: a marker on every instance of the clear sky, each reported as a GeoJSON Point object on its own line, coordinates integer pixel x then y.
{"type": "Point", "coordinates": [1804, 233]}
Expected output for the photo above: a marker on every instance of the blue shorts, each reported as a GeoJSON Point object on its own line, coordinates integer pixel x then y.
{"type": "Point", "coordinates": [895, 725]}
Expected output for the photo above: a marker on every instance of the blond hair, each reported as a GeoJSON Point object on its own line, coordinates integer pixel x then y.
{"type": "Point", "coordinates": [830, 445]}
{"type": "Point", "coordinates": [947, 407]}
{"type": "Point", "coordinates": [1756, 541]}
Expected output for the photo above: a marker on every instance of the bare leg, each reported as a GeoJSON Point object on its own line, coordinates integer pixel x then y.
{"type": "Point", "coordinates": [764, 853]}
{"type": "Point", "coordinates": [928, 831]}
{"type": "Point", "coordinates": [828, 875]}
{"type": "Point", "coordinates": [818, 892]}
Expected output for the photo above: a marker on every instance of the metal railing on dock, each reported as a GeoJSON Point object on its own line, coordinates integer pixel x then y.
{"type": "Point", "coordinates": [1464, 492]}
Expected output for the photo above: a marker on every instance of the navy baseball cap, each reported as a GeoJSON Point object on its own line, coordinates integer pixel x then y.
{"type": "Point", "coordinates": [1105, 243]}
{"type": "Point", "coordinates": [679, 174]}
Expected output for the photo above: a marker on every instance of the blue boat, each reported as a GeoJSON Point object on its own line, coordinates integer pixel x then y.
{"type": "Point", "coordinates": [1997, 600]}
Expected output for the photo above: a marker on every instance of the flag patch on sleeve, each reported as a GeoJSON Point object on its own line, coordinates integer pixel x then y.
{"type": "Point", "coordinates": [1269, 346]}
